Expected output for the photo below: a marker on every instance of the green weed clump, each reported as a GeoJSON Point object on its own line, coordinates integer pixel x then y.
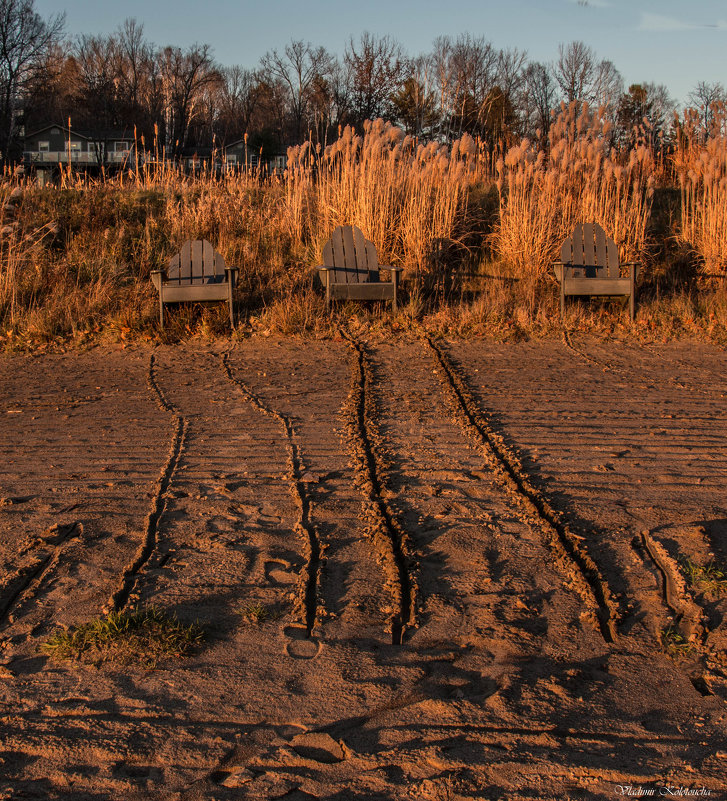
{"type": "Point", "coordinates": [710, 578]}
{"type": "Point", "coordinates": [144, 636]}
{"type": "Point", "coordinates": [258, 613]}
{"type": "Point", "coordinates": [674, 642]}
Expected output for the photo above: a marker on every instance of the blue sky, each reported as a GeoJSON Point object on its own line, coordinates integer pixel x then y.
{"type": "Point", "coordinates": [674, 42]}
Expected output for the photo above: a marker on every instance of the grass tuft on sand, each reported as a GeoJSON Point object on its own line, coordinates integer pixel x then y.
{"type": "Point", "coordinates": [675, 643]}
{"type": "Point", "coordinates": [710, 578]}
{"type": "Point", "coordinates": [143, 636]}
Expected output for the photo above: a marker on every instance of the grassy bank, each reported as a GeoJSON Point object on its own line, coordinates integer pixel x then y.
{"type": "Point", "coordinates": [476, 239]}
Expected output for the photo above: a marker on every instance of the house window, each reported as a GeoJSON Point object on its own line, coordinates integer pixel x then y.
{"type": "Point", "coordinates": [231, 159]}
{"type": "Point", "coordinates": [122, 147]}
{"type": "Point", "coordinates": [44, 147]}
{"type": "Point", "coordinates": [75, 147]}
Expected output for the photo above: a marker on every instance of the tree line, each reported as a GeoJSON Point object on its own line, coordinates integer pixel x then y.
{"type": "Point", "coordinates": [180, 98]}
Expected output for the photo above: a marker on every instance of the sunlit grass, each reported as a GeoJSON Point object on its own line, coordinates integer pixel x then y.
{"type": "Point", "coordinates": [143, 636]}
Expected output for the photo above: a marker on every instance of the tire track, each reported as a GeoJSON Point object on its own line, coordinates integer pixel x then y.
{"type": "Point", "coordinates": [514, 478]}
{"type": "Point", "coordinates": [121, 596]}
{"type": "Point", "coordinates": [308, 600]}
{"type": "Point", "coordinates": [688, 615]}
{"type": "Point", "coordinates": [586, 357]}
{"type": "Point", "coordinates": [26, 581]}
{"type": "Point", "coordinates": [627, 372]}
{"type": "Point", "coordinates": [391, 541]}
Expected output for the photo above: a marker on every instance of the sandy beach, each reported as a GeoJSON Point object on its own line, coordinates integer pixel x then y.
{"type": "Point", "coordinates": [467, 553]}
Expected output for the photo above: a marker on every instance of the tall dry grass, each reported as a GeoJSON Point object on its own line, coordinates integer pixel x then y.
{"type": "Point", "coordinates": [75, 257]}
{"type": "Point", "coordinates": [579, 179]}
{"type": "Point", "coordinates": [404, 195]}
{"type": "Point", "coordinates": [701, 166]}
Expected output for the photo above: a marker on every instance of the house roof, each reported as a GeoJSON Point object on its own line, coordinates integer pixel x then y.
{"type": "Point", "coordinates": [108, 133]}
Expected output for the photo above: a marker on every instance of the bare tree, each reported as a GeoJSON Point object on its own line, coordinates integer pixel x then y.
{"type": "Point", "coordinates": [538, 99]}
{"type": "Point", "coordinates": [98, 60]}
{"type": "Point", "coordinates": [237, 100]}
{"type": "Point", "coordinates": [643, 114]}
{"type": "Point", "coordinates": [415, 102]}
{"type": "Point", "coordinates": [298, 68]}
{"type": "Point", "coordinates": [52, 89]}
{"type": "Point", "coordinates": [477, 85]}
{"type": "Point", "coordinates": [607, 86]}
{"type": "Point", "coordinates": [186, 75]}
{"type": "Point", "coordinates": [24, 42]}
{"type": "Point", "coordinates": [575, 70]}
{"type": "Point", "coordinates": [376, 68]}
{"type": "Point", "coordinates": [706, 97]}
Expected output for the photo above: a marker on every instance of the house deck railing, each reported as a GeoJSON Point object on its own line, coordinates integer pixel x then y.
{"type": "Point", "coordinates": [77, 157]}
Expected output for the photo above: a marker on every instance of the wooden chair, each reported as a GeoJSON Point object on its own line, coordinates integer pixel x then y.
{"type": "Point", "coordinates": [196, 273]}
{"type": "Point", "coordinates": [350, 269]}
{"type": "Point", "coordinates": [589, 266]}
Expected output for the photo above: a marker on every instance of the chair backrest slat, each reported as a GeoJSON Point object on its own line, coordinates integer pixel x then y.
{"type": "Point", "coordinates": [352, 257]}
{"type": "Point", "coordinates": [339, 261]}
{"type": "Point", "coordinates": [591, 251]}
{"type": "Point", "coordinates": [601, 255]}
{"type": "Point", "coordinates": [196, 263]}
{"type": "Point", "coordinates": [372, 261]}
{"type": "Point", "coordinates": [578, 245]}
{"type": "Point", "coordinates": [350, 262]}
{"type": "Point", "coordinates": [614, 269]}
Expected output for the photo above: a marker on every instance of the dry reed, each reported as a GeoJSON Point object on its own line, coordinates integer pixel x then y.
{"type": "Point", "coordinates": [75, 257]}
{"type": "Point", "coordinates": [701, 166]}
{"type": "Point", "coordinates": [404, 195]}
{"type": "Point", "coordinates": [580, 179]}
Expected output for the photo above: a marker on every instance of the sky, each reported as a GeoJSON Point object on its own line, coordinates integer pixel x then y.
{"type": "Point", "coordinates": [672, 42]}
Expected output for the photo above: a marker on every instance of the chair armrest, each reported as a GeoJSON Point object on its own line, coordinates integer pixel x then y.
{"type": "Point", "coordinates": [558, 270]}
{"type": "Point", "coordinates": [322, 268]}
{"type": "Point", "coordinates": [231, 275]}
{"type": "Point", "coordinates": [636, 267]}
{"type": "Point", "coordinates": [157, 276]}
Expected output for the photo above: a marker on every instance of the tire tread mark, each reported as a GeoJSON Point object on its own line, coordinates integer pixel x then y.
{"type": "Point", "coordinates": [30, 579]}
{"type": "Point", "coordinates": [120, 597]}
{"type": "Point", "coordinates": [687, 614]}
{"type": "Point", "coordinates": [308, 595]}
{"type": "Point", "coordinates": [517, 480]}
{"type": "Point", "coordinates": [391, 540]}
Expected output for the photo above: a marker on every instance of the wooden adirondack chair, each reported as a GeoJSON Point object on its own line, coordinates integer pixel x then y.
{"type": "Point", "coordinates": [350, 269]}
{"type": "Point", "coordinates": [589, 266]}
{"type": "Point", "coordinates": [196, 273]}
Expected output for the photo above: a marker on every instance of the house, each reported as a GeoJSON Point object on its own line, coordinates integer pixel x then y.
{"type": "Point", "coordinates": [56, 145]}
{"type": "Point", "coordinates": [238, 155]}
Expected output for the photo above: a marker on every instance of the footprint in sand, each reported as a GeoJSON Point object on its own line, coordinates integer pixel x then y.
{"type": "Point", "coordinates": [277, 572]}
{"type": "Point", "coordinates": [300, 645]}
{"type": "Point", "coordinates": [318, 746]}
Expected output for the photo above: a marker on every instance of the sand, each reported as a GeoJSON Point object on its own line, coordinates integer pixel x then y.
{"type": "Point", "coordinates": [468, 550]}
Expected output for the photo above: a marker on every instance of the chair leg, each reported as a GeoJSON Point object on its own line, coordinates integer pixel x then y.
{"type": "Point", "coordinates": [632, 296]}
{"type": "Point", "coordinates": [562, 302]}
{"type": "Point", "coordinates": [161, 311]}
{"type": "Point", "coordinates": [232, 311]}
